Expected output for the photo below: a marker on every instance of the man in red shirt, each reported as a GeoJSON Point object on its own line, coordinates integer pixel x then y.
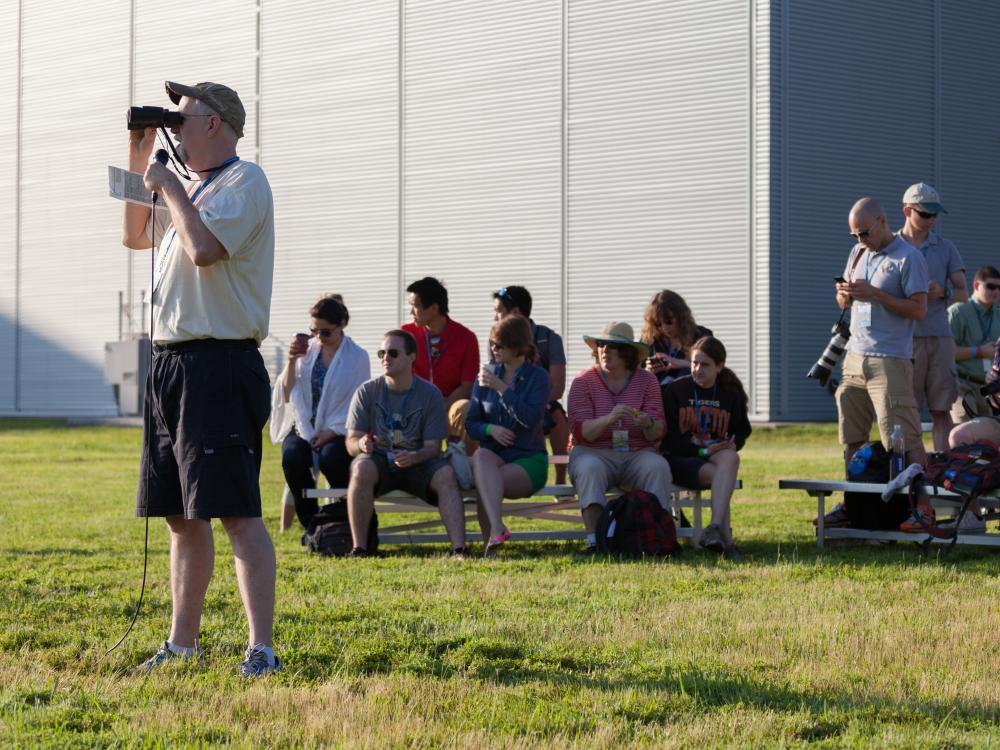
{"type": "Point", "coordinates": [447, 352]}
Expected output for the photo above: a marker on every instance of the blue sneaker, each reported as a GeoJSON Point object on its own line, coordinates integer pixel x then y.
{"type": "Point", "coordinates": [256, 664]}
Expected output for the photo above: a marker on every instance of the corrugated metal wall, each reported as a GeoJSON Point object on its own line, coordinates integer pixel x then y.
{"type": "Point", "coordinates": [861, 119]}
{"type": "Point", "coordinates": [659, 165]}
{"type": "Point", "coordinates": [9, 79]}
{"type": "Point", "coordinates": [71, 261]}
{"type": "Point", "coordinates": [483, 152]}
{"type": "Point", "coordinates": [593, 151]}
{"type": "Point", "coordinates": [330, 99]}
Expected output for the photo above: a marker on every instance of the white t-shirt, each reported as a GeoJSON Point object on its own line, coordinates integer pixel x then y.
{"type": "Point", "coordinates": [231, 299]}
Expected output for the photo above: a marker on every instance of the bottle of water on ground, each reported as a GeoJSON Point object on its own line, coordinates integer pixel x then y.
{"type": "Point", "coordinates": [897, 452]}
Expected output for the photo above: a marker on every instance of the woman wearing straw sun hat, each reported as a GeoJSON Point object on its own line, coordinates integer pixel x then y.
{"type": "Point", "coordinates": [616, 421]}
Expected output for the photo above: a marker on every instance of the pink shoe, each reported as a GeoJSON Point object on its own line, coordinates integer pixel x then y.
{"type": "Point", "coordinates": [496, 541]}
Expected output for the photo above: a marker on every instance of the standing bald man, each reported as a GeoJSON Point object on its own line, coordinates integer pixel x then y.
{"type": "Point", "coordinates": [885, 287]}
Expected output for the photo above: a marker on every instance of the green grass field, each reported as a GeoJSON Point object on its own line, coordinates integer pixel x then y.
{"type": "Point", "coordinates": [854, 646]}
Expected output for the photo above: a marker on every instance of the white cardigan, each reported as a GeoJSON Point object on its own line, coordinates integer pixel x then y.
{"type": "Point", "coordinates": [349, 368]}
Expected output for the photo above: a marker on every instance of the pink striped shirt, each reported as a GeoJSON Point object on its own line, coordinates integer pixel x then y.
{"type": "Point", "coordinates": [590, 397]}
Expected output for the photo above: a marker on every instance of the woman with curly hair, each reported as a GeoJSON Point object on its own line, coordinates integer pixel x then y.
{"type": "Point", "coordinates": [670, 330]}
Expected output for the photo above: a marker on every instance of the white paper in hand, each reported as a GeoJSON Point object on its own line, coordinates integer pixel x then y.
{"type": "Point", "coordinates": [127, 186]}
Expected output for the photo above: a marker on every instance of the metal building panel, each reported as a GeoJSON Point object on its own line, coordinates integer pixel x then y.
{"type": "Point", "coordinates": [659, 172]}
{"type": "Point", "coordinates": [9, 24]}
{"type": "Point", "coordinates": [483, 153]}
{"type": "Point", "coordinates": [72, 262]}
{"type": "Point", "coordinates": [329, 144]}
{"type": "Point", "coordinates": [967, 142]}
{"type": "Point", "coordinates": [852, 130]}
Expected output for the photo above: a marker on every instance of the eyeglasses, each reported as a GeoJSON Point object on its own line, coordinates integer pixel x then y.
{"type": "Point", "coordinates": [495, 346]}
{"type": "Point", "coordinates": [611, 345]}
{"type": "Point", "coordinates": [861, 236]}
{"type": "Point", "coordinates": [925, 214]}
{"type": "Point", "coordinates": [665, 322]}
{"type": "Point", "coordinates": [992, 287]}
{"type": "Point", "coordinates": [321, 332]}
{"type": "Point", "coordinates": [390, 353]}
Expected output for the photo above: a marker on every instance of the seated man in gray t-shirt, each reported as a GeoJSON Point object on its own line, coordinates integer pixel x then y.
{"type": "Point", "coordinates": [395, 427]}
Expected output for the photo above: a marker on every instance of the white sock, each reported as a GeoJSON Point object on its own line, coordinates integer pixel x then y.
{"type": "Point", "coordinates": [185, 651]}
{"type": "Point", "coordinates": [591, 540]}
{"type": "Point", "coordinates": [264, 650]}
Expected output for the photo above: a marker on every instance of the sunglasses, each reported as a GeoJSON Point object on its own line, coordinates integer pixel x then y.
{"type": "Point", "coordinates": [612, 345]}
{"type": "Point", "coordinates": [387, 353]}
{"type": "Point", "coordinates": [665, 322]}
{"type": "Point", "coordinates": [862, 235]}
{"type": "Point", "coordinates": [321, 332]}
{"type": "Point", "coordinates": [924, 214]}
{"type": "Point", "coordinates": [992, 287]}
{"type": "Point", "coordinates": [496, 346]}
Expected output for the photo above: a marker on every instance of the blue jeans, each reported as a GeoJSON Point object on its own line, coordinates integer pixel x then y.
{"type": "Point", "coordinates": [297, 464]}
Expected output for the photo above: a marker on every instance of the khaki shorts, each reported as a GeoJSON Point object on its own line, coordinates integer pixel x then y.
{"type": "Point", "coordinates": [877, 388]}
{"type": "Point", "coordinates": [968, 393]}
{"type": "Point", "coordinates": [935, 378]}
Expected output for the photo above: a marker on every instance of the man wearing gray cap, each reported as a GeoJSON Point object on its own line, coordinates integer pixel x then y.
{"type": "Point", "coordinates": [208, 394]}
{"type": "Point", "coordinates": [935, 379]}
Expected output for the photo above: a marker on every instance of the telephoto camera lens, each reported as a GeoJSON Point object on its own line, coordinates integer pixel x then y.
{"type": "Point", "coordinates": [828, 360]}
{"type": "Point", "coordinates": [140, 118]}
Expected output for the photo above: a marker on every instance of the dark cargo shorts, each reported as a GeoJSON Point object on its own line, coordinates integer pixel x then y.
{"type": "Point", "coordinates": [206, 405]}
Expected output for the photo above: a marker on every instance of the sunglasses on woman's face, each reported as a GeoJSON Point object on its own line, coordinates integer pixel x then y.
{"type": "Point", "coordinates": [321, 332]}
{"type": "Point", "coordinates": [387, 353]}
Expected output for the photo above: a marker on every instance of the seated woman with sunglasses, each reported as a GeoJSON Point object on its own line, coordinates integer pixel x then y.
{"type": "Point", "coordinates": [506, 413]}
{"type": "Point", "coordinates": [616, 420]}
{"type": "Point", "coordinates": [670, 330]}
{"type": "Point", "coordinates": [310, 400]}
{"type": "Point", "coordinates": [707, 425]}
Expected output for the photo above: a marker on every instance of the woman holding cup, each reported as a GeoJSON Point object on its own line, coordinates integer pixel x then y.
{"type": "Point", "coordinates": [505, 415]}
{"type": "Point", "coordinates": [310, 400]}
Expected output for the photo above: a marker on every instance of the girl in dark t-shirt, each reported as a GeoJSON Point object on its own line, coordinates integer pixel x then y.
{"type": "Point", "coordinates": [707, 425]}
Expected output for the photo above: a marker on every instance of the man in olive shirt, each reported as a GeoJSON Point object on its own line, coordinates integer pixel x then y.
{"type": "Point", "coordinates": [976, 326]}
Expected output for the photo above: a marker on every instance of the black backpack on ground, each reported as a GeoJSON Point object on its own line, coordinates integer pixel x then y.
{"type": "Point", "coordinates": [866, 510]}
{"type": "Point", "coordinates": [329, 532]}
{"type": "Point", "coordinates": [636, 525]}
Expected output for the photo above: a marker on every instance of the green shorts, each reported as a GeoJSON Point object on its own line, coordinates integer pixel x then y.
{"type": "Point", "coordinates": [537, 466]}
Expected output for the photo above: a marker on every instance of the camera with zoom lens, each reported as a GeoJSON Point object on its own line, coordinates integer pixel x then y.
{"type": "Point", "coordinates": [823, 368]}
{"type": "Point", "coordinates": [140, 118]}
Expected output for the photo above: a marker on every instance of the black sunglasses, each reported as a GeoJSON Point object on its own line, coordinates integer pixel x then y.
{"type": "Point", "coordinates": [391, 353]}
{"type": "Point", "coordinates": [321, 332]}
{"type": "Point", "coordinates": [924, 214]}
{"type": "Point", "coordinates": [992, 287]}
{"type": "Point", "coordinates": [496, 345]}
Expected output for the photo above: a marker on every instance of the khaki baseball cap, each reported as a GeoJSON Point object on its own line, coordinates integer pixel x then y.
{"type": "Point", "coordinates": [923, 195]}
{"type": "Point", "coordinates": [221, 98]}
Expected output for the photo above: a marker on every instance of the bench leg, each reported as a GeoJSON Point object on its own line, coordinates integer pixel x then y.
{"type": "Point", "coordinates": [697, 519]}
{"type": "Point", "coordinates": [820, 528]}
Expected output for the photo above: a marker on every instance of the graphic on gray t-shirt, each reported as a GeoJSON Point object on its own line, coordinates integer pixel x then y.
{"type": "Point", "coordinates": [400, 420]}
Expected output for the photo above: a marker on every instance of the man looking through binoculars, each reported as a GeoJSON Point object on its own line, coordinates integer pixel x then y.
{"type": "Point", "coordinates": [208, 394]}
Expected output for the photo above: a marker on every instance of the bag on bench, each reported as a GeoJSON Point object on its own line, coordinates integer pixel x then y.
{"type": "Point", "coordinates": [966, 469]}
{"type": "Point", "coordinates": [329, 532]}
{"type": "Point", "coordinates": [636, 525]}
{"type": "Point", "coordinates": [866, 510]}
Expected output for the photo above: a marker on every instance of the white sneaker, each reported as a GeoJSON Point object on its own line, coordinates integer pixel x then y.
{"type": "Point", "coordinates": [971, 524]}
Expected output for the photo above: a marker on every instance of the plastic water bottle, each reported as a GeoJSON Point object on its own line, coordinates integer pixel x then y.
{"type": "Point", "coordinates": [859, 461]}
{"type": "Point", "coordinates": [897, 452]}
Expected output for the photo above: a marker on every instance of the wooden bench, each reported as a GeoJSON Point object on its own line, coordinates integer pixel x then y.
{"type": "Point", "coordinates": [554, 502]}
{"type": "Point", "coordinates": [940, 498]}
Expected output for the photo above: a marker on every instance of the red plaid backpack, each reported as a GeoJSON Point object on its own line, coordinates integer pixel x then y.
{"type": "Point", "coordinates": [636, 525]}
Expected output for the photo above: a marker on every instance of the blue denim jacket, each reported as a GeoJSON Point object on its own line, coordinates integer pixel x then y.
{"type": "Point", "coordinates": [521, 409]}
